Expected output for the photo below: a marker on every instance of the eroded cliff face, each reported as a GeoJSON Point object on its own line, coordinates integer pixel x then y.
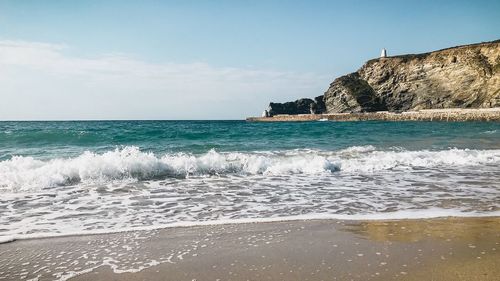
{"type": "Point", "coordinates": [459, 77]}
{"type": "Point", "coordinates": [463, 77]}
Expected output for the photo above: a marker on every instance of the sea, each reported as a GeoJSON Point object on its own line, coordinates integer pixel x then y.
{"type": "Point", "coordinates": [84, 177]}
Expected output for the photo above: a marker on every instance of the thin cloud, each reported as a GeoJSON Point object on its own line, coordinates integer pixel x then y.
{"type": "Point", "coordinates": [121, 87]}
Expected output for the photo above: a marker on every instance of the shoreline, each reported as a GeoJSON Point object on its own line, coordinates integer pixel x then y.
{"type": "Point", "coordinates": [450, 248]}
{"type": "Point", "coordinates": [450, 114]}
{"type": "Point", "coordinates": [396, 216]}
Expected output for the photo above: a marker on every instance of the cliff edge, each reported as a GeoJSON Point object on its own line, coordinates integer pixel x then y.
{"type": "Point", "coordinates": [459, 77]}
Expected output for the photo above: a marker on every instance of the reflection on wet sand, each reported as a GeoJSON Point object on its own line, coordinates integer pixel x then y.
{"type": "Point", "coordinates": [463, 248]}
{"type": "Point", "coordinates": [469, 229]}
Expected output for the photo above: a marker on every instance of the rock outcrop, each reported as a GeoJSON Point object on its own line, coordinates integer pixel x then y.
{"type": "Point", "coordinates": [300, 106]}
{"type": "Point", "coordinates": [459, 77]}
{"type": "Point", "coordinates": [350, 93]}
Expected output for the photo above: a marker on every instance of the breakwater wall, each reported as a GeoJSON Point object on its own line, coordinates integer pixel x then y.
{"type": "Point", "coordinates": [450, 114]}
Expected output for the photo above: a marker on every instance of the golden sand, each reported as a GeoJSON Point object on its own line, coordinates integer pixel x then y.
{"type": "Point", "coordinates": [432, 249]}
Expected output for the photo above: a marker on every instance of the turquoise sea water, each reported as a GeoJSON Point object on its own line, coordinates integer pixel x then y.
{"type": "Point", "coordinates": [75, 177]}
{"type": "Point", "coordinates": [46, 140]}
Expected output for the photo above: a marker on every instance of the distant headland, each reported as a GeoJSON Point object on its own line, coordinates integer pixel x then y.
{"type": "Point", "coordinates": [458, 83]}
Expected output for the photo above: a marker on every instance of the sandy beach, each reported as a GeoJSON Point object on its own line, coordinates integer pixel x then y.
{"type": "Point", "coordinates": [431, 249]}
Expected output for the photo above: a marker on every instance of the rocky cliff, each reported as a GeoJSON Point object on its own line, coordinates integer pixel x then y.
{"type": "Point", "coordinates": [459, 77]}
{"type": "Point", "coordinates": [300, 106]}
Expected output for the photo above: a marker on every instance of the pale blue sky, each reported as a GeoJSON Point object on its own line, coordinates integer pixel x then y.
{"type": "Point", "coordinates": [132, 59]}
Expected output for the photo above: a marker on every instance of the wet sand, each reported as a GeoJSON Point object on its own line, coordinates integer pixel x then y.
{"type": "Point", "coordinates": [431, 249]}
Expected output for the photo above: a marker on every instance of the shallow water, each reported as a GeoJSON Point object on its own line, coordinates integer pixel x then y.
{"type": "Point", "coordinates": [59, 178]}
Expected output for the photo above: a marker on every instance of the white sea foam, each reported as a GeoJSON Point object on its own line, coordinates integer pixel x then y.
{"type": "Point", "coordinates": [129, 163]}
{"type": "Point", "coordinates": [398, 215]}
{"type": "Point", "coordinates": [128, 189]}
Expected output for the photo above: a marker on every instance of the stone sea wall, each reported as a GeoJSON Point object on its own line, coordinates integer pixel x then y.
{"type": "Point", "coordinates": [451, 114]}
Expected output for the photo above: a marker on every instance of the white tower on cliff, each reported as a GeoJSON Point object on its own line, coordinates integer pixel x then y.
{"type": "Point", "coordinates": [383, 54]}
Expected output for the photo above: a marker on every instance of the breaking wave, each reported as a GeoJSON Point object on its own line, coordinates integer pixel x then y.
{"type": "Point", "coordinates": [129, 163]}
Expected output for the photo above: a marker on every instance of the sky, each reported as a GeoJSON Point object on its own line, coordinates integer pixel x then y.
{"type": "Point", "coordinates": [74, 60]}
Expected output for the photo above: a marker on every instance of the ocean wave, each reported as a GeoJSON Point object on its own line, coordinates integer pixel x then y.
{"type": "Point", "coordinates": [489, 132]}
{"type": "Point", "coordinates": [130, 163]}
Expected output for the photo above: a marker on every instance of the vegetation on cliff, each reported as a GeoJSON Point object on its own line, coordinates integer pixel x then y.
{"type": "Point", "coordinates": [458, 77]}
